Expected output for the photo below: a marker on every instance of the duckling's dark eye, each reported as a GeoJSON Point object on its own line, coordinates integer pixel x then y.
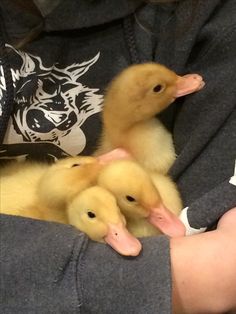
{"type": "Point", "coordinates": [158, 88]}
{"type": "Point", "coordinates": [130, 198]}
{"type": "Point", "coordinates": [91, 214]}
{"type": "Point", "coordinates": [75, 165]}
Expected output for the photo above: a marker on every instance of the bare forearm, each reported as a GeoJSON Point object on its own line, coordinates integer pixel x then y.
{"type": "Point", "coordinates": [203, 270]}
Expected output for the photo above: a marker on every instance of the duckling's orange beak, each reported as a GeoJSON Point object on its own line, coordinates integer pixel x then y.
{"type": "Point", "coordinates": [167, 222]}
{"type": "Point", "coordinates": [188, 84]}
{"type": "Point", "coordinates": [122, 241]}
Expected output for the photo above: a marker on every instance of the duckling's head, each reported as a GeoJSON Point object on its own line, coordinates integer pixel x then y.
{"type": "Point", "coordinates": [95, 212]}
{"type": "Point", "coordinates": [132, 187]}
{"type": "Point", "coordinates": [141, 91]}
{"type": "Point", "coordinates": [65, 178]}
{"type": "Point", "coordinates": [137, 196]}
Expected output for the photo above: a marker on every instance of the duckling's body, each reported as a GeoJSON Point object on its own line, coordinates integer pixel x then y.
{"type": "Point", "coordinates": [40, 190]}
{"type": "Point", "coordinates": [140, 227]}
{"type": "Point", "coordinates": [131, 103]}
{"type": "Point", "coordinates": [138, 141]}
{"type": "Point", "coordinates": [150, 203]}
{"type": "Point", "coordinates": [168, 191]}
{"type": "Point", "coordinates": [18, 188]}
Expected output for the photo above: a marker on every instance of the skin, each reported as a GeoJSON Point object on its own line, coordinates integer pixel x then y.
{"type": "Point", "coordinates": [203, 270]}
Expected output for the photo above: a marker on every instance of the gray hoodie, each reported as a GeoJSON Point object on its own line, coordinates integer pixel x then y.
{"type": "Point", "coordinates": [51, 268]}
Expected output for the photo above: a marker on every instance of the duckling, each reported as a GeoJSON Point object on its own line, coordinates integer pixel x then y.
{"type": "Point", "coordinates": [94, 211]}
{"type": "Point", "coordinates": [42, 191]}
{"type": "Point", "coordinates": [52, 193]}
{"type": "Point", "coordinates": [131, 102]}
{"type": "Point", "coordinates": [18, 188]}
{"type": "Point", "coordinates": [150, 203]}
{"type": "Point", "coordinates": [65, 179]}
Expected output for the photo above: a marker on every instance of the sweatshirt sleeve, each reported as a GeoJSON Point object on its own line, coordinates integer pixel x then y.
{"type": "Point", "coordinates": [53, 268]}
{"type": "Point", "coordinates": [115, 284]}
{"type": "Point", "coordinates": [207, 210]}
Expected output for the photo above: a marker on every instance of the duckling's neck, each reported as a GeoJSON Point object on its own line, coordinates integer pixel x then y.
{"type": "Point", "coordinates": [117, 125]}
{"type": "Point", "coordinates": [122, 133]}
{"type": "Point", "coordinates": [118, 120]}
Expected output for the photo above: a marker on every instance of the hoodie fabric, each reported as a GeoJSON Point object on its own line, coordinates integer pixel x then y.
{"type": "Point", "coordinates": [51, 95]}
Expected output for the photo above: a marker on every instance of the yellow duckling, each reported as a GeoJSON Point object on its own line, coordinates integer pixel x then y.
{"type": "Point", "coordinates": [95, 212]}
{"type": "Point", "coordinates": [18, 188]}
{"type": "Point", "coordinates": [131, 102]}
{"type": "Point", "coordinates": [66, 178]}
{"type": "Point", "coordinates": [52, 193]}
{"type": "Point", "coordinates": [150, 203]}
{"type": "Point", "coordinates": [42, 191]}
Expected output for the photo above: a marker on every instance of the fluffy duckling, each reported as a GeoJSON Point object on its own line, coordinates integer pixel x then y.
{"type": "Point", "coordinates": [18, 188]}
{"type": "Point", "coordinates": [66, 178]}
{"type": "Point", "coordinates": [131, 102]}
{"type": "Point", "coordinates": [95, 212]}
{"type": "Point", "coordinates": [40, 190]}
{"type": "Point", "coordinates": [150, 205]}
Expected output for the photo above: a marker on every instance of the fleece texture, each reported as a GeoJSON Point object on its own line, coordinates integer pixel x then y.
{"type": "Point", "coordinates": [51, 94]}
